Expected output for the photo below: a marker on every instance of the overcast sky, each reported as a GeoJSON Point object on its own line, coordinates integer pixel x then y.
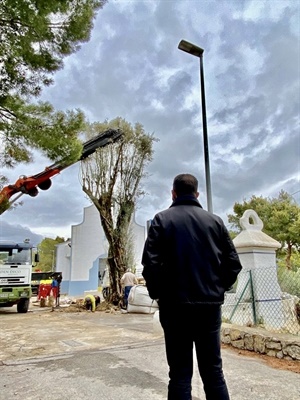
{"type": "Point", "coordinates": [132, 68]}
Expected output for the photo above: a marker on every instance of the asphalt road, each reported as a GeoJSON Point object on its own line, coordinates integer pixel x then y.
{"type": "Point", "coordinates": [57, 355]}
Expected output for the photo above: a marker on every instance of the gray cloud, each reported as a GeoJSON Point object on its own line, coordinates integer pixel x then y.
{"type": "Point", "coordinates": [132, 68]}
{"type": "Point", "coordinates": [18, 233]}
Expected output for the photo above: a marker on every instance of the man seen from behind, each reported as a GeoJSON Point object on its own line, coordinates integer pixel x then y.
{"type": "Point", "coordinates": [189, 262]}
{"type": "Point", "coordinates": [128, 280]}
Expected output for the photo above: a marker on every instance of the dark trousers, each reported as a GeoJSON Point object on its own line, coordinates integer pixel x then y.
{"type": "Point", "coordinates": [126, 294]}
{"type": "Point", "coordinates": [183, 326]}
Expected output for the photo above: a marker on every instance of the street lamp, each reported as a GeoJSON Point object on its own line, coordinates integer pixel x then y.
{"type": "Point", "coordinates": [53, 258]}
{"type": "Point", "coordinates": [198, 52]}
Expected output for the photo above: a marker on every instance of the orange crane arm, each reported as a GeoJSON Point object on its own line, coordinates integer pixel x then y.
{"type": "Point", "coordinates": [29, 184]}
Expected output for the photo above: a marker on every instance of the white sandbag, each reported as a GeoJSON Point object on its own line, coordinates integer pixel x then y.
{"type": "Point", "coordinates": [139, 301]}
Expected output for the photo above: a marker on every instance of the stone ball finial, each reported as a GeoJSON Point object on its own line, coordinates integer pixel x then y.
{"type": "Point", "coordinates": [245, 221]}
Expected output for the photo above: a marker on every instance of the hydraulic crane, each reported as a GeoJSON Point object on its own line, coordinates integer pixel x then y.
{"type": "Point", "coordinates": [30, 184]}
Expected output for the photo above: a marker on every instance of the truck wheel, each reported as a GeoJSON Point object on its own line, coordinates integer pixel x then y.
{"type": "Point", "coordinates": [23, 306]}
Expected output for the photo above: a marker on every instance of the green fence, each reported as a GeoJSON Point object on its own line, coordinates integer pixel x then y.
{"type": "Point", "coordinates": [266, 297]}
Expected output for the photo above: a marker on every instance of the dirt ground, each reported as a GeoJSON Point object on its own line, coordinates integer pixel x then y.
{"type": "Point", "coordinates": [273, 362]}
{"type": "Point", "coordinates": [43, 332]}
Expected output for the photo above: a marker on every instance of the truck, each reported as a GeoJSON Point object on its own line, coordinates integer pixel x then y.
{"type": "Point", "coordinates": [16, 261]}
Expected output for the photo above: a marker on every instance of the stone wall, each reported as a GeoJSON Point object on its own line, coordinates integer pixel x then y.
{"type": "Point", "coordinates": [280, 345]}
{"type": "Point", "coordinates": [283, 346]}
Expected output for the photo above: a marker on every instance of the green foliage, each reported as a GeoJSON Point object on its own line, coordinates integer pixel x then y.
{"type": "Point", "coordinates": [294, 262]}
{"type": "Point", "coordinates": [39, 126]}
{"type": "Point", "coordinates": [47, 251]}
{"type": "Point", "coordinates": [116, 170]}
{"type": "Point", "coordinates": [4, 205]}
{"type": "Point", "coordinates": [35, 37]}
{"type": "Point", "coordinates": [280, 216]}
{"type": "Point", "coordinates": [232, 234]}
{"type": "Point", "coordinates": [259, 204]}
{"type": "Point", "coordinates": [289, 281]}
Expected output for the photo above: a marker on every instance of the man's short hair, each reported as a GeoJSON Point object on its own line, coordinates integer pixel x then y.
{"type": "Point", "coordinates": [185, 184]}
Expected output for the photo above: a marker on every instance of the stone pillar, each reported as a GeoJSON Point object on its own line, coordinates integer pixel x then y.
{"type": "Point", "coordinates": [257, 252]}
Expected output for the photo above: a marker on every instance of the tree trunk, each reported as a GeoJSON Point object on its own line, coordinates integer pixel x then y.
{"type": "Point", "coordinates": [116, 294]}
{"type": "Point", "coordinates": [117, 237]}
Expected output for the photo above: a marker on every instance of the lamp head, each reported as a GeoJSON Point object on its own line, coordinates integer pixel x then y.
{"type": "Point", "coordinates": [190, 48]}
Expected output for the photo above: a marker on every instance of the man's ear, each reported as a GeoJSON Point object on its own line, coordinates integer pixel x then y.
{"type": "Point", "coordinates": [197, 195]}
{"type": "Point", "coordinates": [174, 195]}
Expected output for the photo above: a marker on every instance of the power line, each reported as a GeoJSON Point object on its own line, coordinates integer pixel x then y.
{"type": "Point", "coordinates": [295, 192]}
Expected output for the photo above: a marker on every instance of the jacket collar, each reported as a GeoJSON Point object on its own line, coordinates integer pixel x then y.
{"type": "Point", "coordinates": [187, 199]}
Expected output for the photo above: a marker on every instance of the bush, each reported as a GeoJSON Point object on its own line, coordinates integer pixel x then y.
{"type": "Point", "coordinates": [289, 280]}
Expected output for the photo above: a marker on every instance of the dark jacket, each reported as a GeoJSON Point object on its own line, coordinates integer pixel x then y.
{"type": "Point", "coordinates": [189, 256]}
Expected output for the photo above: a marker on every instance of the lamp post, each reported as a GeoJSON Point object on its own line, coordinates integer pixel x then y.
{"type": "Point", "coordinates": [53, 258]}
{"type": "Point", "coordinates": [198, 52]}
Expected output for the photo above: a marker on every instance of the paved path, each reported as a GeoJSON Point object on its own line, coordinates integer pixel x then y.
{"type": "Point", "coordinates": [63, 356]}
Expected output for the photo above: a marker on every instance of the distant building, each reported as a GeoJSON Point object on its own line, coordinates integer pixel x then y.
{"type": "Point", "coordinates": [82, 260]}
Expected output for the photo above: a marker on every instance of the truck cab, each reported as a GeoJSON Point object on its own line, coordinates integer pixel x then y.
{"type": "Point", "coordinates": [15, 274]}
